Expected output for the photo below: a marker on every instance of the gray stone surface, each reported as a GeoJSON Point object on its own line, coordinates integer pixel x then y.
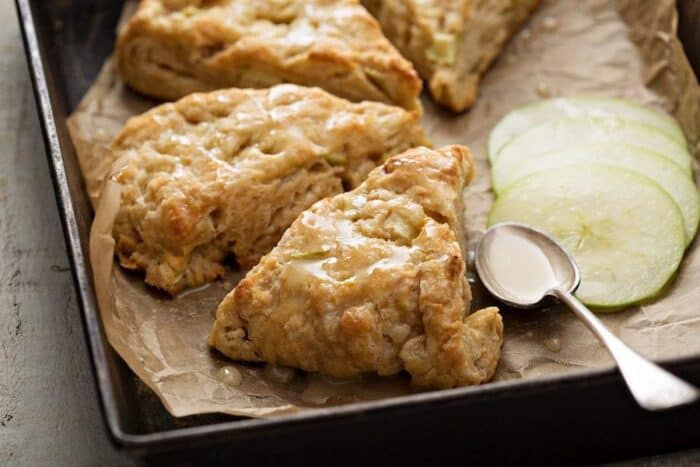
{"type": "Point", "coordinates": [48, 408]}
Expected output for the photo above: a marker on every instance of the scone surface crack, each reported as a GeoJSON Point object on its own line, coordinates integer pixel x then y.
{"type": "Point", "coordinates": [225, 173]}
{"type": "Point", "coordinates": [371, 281]}
{"type": "Point", "coordinates": [171, 48]}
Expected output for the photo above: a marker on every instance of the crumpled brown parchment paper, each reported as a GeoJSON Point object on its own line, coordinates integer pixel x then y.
{"type": "Point", "coordinates": [625, 48]}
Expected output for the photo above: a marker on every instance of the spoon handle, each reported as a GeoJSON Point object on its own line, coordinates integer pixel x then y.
{"type": "Point", "coordinates": [653, 387]}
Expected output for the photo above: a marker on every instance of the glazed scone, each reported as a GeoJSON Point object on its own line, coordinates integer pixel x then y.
{"type": "Point", "coordinates": [372, 280]}
{"type": "Point", "coordinates": [451, 42]}
{"type": "Point", "coordinates": [171, 48]}
{"type": "Point", "coordinates": [225, 173]}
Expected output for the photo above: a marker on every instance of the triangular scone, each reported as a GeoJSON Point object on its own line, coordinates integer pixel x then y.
{"type": "Point", "coordinates": [226, 173]}
{"type": "Point", "coordinates": [171, 48]}
{"type": "Point", "coordinates": [451, 42]}
{"type": "Point", "coordinates": [372, 280]}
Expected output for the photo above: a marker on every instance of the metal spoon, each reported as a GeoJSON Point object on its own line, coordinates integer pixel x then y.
{"type": "Point", "coordinates": [522, 266]}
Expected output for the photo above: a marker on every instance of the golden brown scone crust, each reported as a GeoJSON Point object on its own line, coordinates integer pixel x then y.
{"type": "Point", "coordinates": [372, 280]}
{"type": "Point", "coordinates": [226, 173]}
{"type": "Point", "coordinates": [451, 42]}
{"type": "Point", "coordinates": [171, 48]}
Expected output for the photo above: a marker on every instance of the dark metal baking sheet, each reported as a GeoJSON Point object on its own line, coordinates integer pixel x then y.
{"type": "Point", "coordinates": [579, 418]}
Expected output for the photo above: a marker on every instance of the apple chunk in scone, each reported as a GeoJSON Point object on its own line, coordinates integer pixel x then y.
{"type": "Point", "coordinates": [451, 42]}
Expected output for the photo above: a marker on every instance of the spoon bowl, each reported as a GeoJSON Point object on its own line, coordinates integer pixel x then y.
{"type": "Point", "coordinates": [523, 266]}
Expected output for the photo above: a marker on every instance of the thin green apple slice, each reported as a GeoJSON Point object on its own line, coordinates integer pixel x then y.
{"type": "Point", "coordinates": [625, 233]}
{"type": "Point", "coordinates": [666, 174]}
{"type": "Point", "coordinates": [564, 132]}
{"type": "Point", "coordinates": [535, 114]}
